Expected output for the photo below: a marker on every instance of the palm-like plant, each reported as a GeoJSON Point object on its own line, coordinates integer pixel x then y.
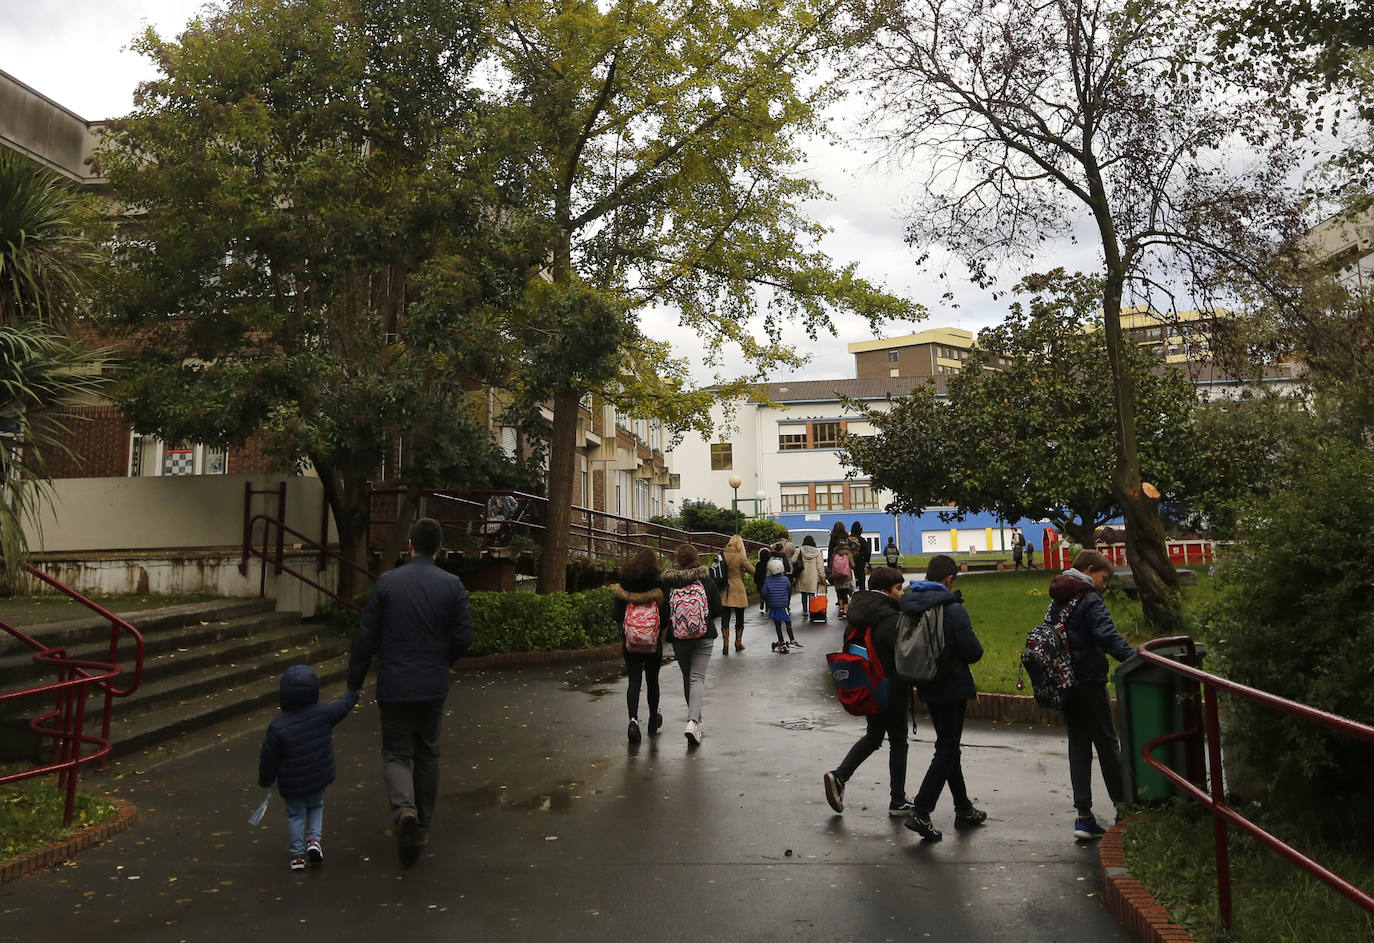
{"type": "Point", "coordinates": [49, 260]}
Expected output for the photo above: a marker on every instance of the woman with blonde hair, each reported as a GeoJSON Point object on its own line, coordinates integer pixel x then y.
{"type": "Point", "coordinates": [733, 595]}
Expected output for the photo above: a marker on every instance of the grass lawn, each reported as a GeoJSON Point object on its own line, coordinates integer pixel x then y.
{"type": "Point", "coordinates": [1005, 605]}
{"type": "Point", "coordinates": [1170, 851]}
{"type": "Point", "coordinates": [31, 814]}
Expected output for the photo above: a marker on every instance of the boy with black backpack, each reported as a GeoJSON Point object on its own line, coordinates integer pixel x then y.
{"type": "Point", "coordinates": [877, 609]}
{"type": "Point", "coordinates": [1091, 636]}
{"type": "Point", "coordinates": [946, 696]}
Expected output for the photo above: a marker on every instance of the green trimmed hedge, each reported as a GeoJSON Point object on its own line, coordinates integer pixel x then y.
{"type": "Point", "coordinates": [526, 622]}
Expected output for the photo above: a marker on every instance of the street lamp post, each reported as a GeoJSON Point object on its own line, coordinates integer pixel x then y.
{"type": "Point", "coordinates": [735, 482]}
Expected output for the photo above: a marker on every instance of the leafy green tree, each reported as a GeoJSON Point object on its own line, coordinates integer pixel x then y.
{"type": "Point", "coordinates": [310, 252]}
{"type": "Point", "coordinates": [1105, 117]}
{"type": "Point", "coordinates": [706, 517]}
{"type": "Point", "coordinates": [1034, 439]}
{"type": "Point", "coordinates": [659, 144]}
{"type": "Point", "coordinates": [762, 529]}
{"type": "Point", "coordinates": [49, 257]}
{"type": "Point", "coordinates": [1294, 616]}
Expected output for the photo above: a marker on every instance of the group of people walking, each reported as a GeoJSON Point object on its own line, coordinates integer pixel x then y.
{"type": "Point", "coordinates": [1076, 606]}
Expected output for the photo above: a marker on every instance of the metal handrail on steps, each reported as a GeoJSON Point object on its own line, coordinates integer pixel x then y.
{"type": "Point", "coordinates": [65, 723]}
{"type": "Point", "coordinates": [1214, 798]}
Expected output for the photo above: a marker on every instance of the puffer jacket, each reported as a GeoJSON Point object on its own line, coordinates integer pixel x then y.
{"type": "Point", "coordinates": [298, 751]}
{"type": "Point", "coordinates": [962, 648]}
{"type": "Point", "coordinates": [673, 579]}
{"type": "Point", "coordinates": [639, 591]}
{"type": "Point", "coordinates": [810, 570]}
{"type": "Point", "coordinates": [776, 591]}
{"type": "Point", "coordinates": [879, 612]}
{"type": "Point", "coordinates": [1090, 629]}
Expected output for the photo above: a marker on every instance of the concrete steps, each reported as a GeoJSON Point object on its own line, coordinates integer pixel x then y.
{"type": "Point", "coordinates": [204, 663]}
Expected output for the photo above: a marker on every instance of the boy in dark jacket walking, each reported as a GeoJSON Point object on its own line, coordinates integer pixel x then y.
{"type": "Point", "coordinates": [878, 609]}
{"type": "Point", "coordinates": [1087, 709]}
{"type": "Point", "coordinates": [298, 755]}
{"type": "Point", "coordinates": [946, 698]}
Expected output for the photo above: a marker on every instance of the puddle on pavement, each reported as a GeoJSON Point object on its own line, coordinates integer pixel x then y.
{"type": "Point", "coordinates": [558, 799]}
{"type": "Point", "coordinates": [803, 723]}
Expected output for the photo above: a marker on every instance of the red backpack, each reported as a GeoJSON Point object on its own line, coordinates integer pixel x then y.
{"type": "Point", "coordinates": [641, 627]}
{"type": "Point", "coordinates": [862, 684]}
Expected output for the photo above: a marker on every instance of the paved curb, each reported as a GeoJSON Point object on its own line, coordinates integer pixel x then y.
{"type": "Point", "coordinates": [1133, 906]}
{"type": "Point", "coordinates": [125, 815]}
{"type": "Point", "coordinates": [530, 659]}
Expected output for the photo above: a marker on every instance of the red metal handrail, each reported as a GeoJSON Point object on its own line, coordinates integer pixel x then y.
{"type": "Point", "coordinates": [75, 676]}
{"type": "Point", "coordinates": [280, 566]}
{"type": "Point", "coordinates": [1214, 799]}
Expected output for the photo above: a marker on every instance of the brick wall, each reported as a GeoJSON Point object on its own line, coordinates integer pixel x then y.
{"type": "Point", "coordinates": [99, 437]}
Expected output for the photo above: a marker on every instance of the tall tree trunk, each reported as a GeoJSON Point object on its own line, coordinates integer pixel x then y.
{"type": "Point", "coordinates": [1155, 577]}
{"type": "Point", "coordinates": [349, 500]}
{"type": "Point", "coordinates": [553, 561]}
{"type": "Point", "coordinates": [406, 514]}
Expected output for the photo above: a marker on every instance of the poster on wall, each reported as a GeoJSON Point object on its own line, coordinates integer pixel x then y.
{"type": "Point", "coordinates": [179, 461]}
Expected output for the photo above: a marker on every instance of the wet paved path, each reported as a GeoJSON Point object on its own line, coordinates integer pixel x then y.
{"type": "Point", "coordinates": [550, 827]}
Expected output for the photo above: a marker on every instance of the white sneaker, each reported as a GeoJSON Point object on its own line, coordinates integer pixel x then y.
{"type": "Point", "coordinates": [693, 733]}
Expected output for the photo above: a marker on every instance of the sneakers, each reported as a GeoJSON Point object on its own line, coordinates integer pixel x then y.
{"type": "Point", "coordinates": [1087, 829]}
{"type": "Point", "coordinates": [314, 851]}
{"type": "Point", "coordinates": [793, 643]}
{"type": "Point", "coordinates": [834, 791]}
{"type": "Point", "coordinates": [298, 862]}
{"type": "Point", "coordinates": [407, 838]}
{"type": "Point", "coordinates": [919, 822]}
{"type": "Point", "coordinates": [655, 722]}
{"type": "Point", "coordinates": [693, 733]}
{"type": "Point", "coordinates": [967, 818]}
{"type": "Point", "coordinates": [633, 732]}
{"type": "Point", "coordinates": [900, 808]}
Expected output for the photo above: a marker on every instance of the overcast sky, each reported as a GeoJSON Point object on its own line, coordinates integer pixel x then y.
{"type": "Point", "coordinates": [74, 52]}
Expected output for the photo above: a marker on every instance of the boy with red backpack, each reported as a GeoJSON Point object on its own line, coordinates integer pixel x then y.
{"type": "Point", "coordinates": [641, 609]}
{"type": "Point", "coordinates": [878, 609]}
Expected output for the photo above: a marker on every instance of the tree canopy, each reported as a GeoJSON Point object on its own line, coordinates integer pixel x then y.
{"type": "Point", "coordinates": [309, 251]}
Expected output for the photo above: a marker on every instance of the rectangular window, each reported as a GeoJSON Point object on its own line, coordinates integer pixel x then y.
{"type": "Point", "coordinates": [791, 438]}
{"type": "Point", "coordinates": [796, 498]}
{"type": "Point", "coordinates": [825, 435]}
{"type": "Point", "coordinates": [892, 356]}
{"type": "Point", "coordinates": [721, 456]}
{"type": "Point", "coordinates": [829, 497]}
{"type": "Point", "coordinates": [861, 496]}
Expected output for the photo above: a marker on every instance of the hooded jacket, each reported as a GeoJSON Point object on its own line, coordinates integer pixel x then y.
{"type": "Point", "coordinates": [673, 579]}
{"type": "Point", "coordinates": [962, 648]}
{"type": "Point", "coordinates": [418, 621]}
{"type": "Point", "coordinates": [810, 570]}
{"type": "Point", "coordinates": [1090, 629]}
{"type": "Point", "coordinates": [761, 568]}
{"type": "Point", "coordinates": [639, 591]}
{"type": "Point", "coordinates": [776, 591]}
{"type": "Point", "coordinates": [870, 609]}
{"type": "Point", "coordinates": [298, 751]}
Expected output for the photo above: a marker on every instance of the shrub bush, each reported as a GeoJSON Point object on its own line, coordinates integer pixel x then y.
{"type": "Point", "coordinates": [1294, 616]}
{"type": "Point", "coordinates": [762, 529]}
{"type": "Point", "coordinates": [525, 622]}
{"type": "Point", "coordinates": [706, 516]}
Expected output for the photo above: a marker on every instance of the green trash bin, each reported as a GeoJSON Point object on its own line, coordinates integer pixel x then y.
{"type": "Point", "coordinates": [1152, 701]}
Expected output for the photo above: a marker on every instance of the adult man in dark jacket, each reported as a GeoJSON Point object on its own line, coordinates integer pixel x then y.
{"type": "Point", "coordinates": [862, 553]}
{"type": "Point", "coordinates": [946, 697]}
{"type": "Point", "coordinates": [1087, 709]}
{"type": "Point", "coordinates": [878, 609]}
{"type": "Point", "coordinates": [417, 618]}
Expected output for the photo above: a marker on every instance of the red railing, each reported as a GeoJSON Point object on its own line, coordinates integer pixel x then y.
{"type": "Point", "coordinates": [66, 722]}
{"type": "Point", "coordinates": [1214, 798]}
{"type": "Point", "coordinates": [1057, 555]}
{"type": "Point", "coordinates": [273, 551]}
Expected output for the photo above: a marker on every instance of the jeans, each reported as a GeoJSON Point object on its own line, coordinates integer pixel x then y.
{"type": "Point", "coordinates": [892, 723]}
{"type": "Point", "coordinates": [1088, 717]}
{"type": "Point", "coordinates": [693, 657]}
{"type": "Point", "coordinates": [410, 756]}
{"type": "Point", "coordinates": [641, 665]}
{"type": "Point", "coordinates": [947, 719]}
{"type": "Point", "coordinates": [304, 819]}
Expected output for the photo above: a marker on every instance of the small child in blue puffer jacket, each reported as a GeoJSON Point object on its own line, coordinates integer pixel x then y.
{"type": "Point", "coordinates": [298, 755]}
{"type": "Point", "coordinates": [777, 593]}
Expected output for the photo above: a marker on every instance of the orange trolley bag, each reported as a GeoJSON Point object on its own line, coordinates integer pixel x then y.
{"type": "Point", "coordinates": [818, 607]}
